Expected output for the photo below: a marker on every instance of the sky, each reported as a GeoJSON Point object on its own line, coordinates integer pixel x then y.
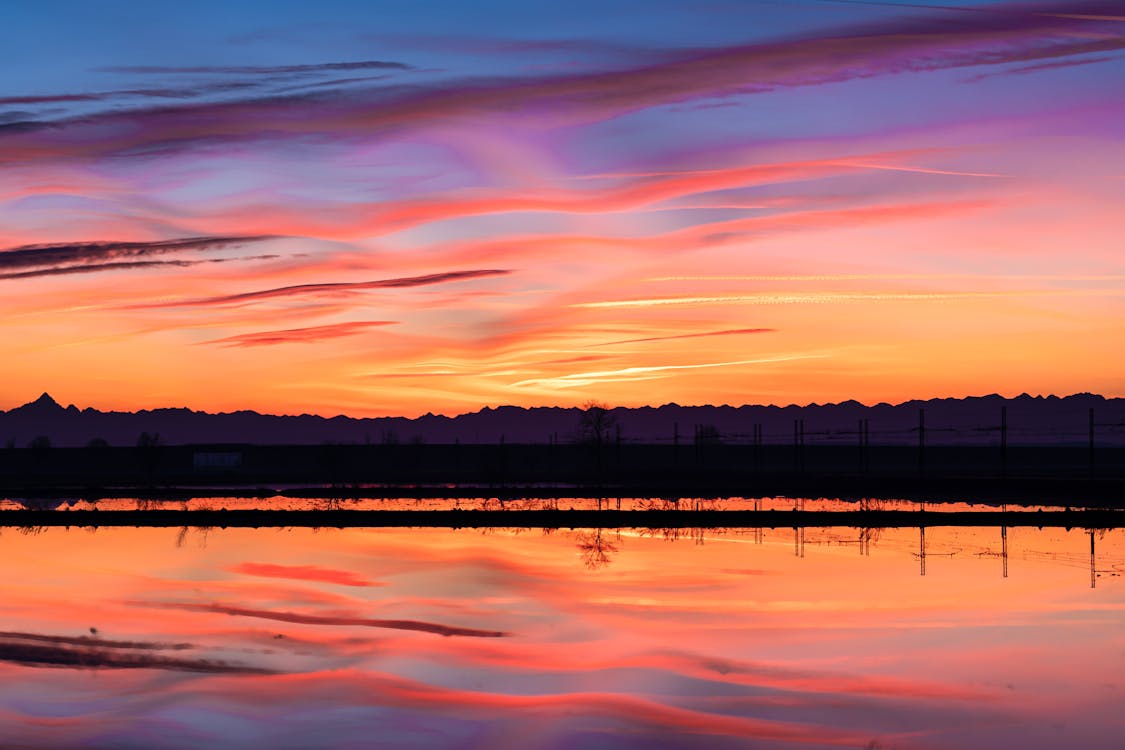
{"type": "Point", "coordinates": [383, 208]}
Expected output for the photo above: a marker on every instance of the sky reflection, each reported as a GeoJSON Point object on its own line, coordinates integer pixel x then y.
{"type": "Point", "coordinates": [440, 638]}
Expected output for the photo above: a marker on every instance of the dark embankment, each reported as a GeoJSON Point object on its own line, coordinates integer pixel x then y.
{"type": "Point", "coordinates": [1060, 475]}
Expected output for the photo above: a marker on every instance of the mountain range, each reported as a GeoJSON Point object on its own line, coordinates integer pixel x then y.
{"type": "Point", "coordinates": [973, 420]}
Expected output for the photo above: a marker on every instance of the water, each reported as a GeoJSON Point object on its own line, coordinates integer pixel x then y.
{"type": "Point", "coordinates": [435, 638]}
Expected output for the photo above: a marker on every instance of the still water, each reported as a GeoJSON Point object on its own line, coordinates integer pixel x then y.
{"type": "Point", "coordinates": [504, 638]}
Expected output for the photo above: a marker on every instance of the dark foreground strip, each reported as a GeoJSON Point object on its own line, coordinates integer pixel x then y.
{"type": "Point", "coordinates": [563, 519]}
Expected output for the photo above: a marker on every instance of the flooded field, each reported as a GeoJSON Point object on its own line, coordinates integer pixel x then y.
{"type": "Point", "coordinates": [298, 638]}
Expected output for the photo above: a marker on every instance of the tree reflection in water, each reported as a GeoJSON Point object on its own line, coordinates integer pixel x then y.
{"type": "Point", "coordinates": [595, 548]}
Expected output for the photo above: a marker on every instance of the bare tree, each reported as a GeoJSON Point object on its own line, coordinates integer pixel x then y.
{"type": "Point", "coordinates": [596, 423]}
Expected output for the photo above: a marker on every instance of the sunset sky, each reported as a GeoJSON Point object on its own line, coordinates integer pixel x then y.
{"type": "Point", "coordinates": [395, 208]}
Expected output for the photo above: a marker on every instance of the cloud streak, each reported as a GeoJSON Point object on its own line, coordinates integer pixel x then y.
{"type": "Point", "coordinates": [333, 288]}
{"type": "Point", "coordinates": [813, 298]}
{"type": "Point", "coordinates": [258, 69]}
{"type": "Point", "coordinates": [308, 335]}
{"type": "Point", "coordinates": [648, 373]}
{"type": "Point", "coordinates": [79, 254]}
{"type": "Point", "coordinates": [127, 266]}
{"type": "Point", "coordinates": [705, 334]}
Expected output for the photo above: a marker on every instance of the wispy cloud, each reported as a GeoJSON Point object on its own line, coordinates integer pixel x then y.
{"type": "Point", "coordinates": [647, 373]}
{"type": "Point", "coordinates": [308, 335]}
{"type": "Point", "coordinates": [79, 254]}
{"type": "Point", "coordinates": [1053, 32]}
{"type": "Point", "coordinates": [812, 298]}
{"type": "Point", "coordinates": [704, 334]}
{"type": "Point", "coordinates": [895, 277]}
{"type": "Point", "coordinates": [142, 93]}
{"type": "Point", "coordinates": [1038, 67]}
{"type": "Point", "coordinates": [334, 288]}
{"type": "Point", "coordinates": [127, 266]}
{"type": "Point", "coordinates": [258, 69]}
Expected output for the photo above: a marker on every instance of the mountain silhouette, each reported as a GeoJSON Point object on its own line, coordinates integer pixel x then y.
{"type": "Point", "coordinates": [966, 421]}
{"type": "Point", "coordinates": [42, 406]}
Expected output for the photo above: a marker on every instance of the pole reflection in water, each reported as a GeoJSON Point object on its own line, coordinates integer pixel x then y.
{"type": "Point", "coordinates": [438, 638]}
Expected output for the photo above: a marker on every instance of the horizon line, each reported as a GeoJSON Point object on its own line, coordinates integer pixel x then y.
{"type": "Point", "coordinates": [489, 408]}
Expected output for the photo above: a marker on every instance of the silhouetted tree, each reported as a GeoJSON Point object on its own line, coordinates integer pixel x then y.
{"type": "Point", "coordinates": [596, 423]}
{"type": "Point", "coordinates": [595, 426]}
{"type": "Point", "coordinates": [98, 443]}
{"type": "Point", "coordinates": [40, 444]}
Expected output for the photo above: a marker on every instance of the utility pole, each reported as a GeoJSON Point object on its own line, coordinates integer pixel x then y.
{"type": "Point", "coordinates": [921, 441]}
{"type": "Point", "coordinates": [1004, 441]}
{"type": "Point", "coordinates": [617, 447]}
{"type": "Point", "coordinates": [796, 447]}
{"type": "Point", "coordinates": [922, 548]}
{"type": "Point", "coordinates": [1093, 569]}
{"type": "Point", "coordinates": [676, 445]}
{"type": "Point", "coordinates": [802, 450]}
{"type": "Point", "coordinates": [1091, 440]}
{"type": "Point", "coordinates": [859, 441]}
{"type": "Point", "coordinates": [759, 533]}
{"type": "Point", "coordinates": [866, 445]}
{"type": "Point", "coordinates": [1004, 548]}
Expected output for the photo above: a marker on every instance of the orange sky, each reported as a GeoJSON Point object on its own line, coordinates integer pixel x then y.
{"type": "Point", "coordinates": [804, 216]}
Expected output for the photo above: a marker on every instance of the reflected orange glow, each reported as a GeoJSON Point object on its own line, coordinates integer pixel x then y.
{"type": "Point", "coordinates": [798, 637]}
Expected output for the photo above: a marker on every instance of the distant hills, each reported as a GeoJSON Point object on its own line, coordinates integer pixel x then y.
{"type": "Point", "coordinates": [967, 421]}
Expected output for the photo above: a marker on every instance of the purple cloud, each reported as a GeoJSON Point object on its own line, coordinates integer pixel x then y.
{"type": "Point", "coordinates": [1008, 34]}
